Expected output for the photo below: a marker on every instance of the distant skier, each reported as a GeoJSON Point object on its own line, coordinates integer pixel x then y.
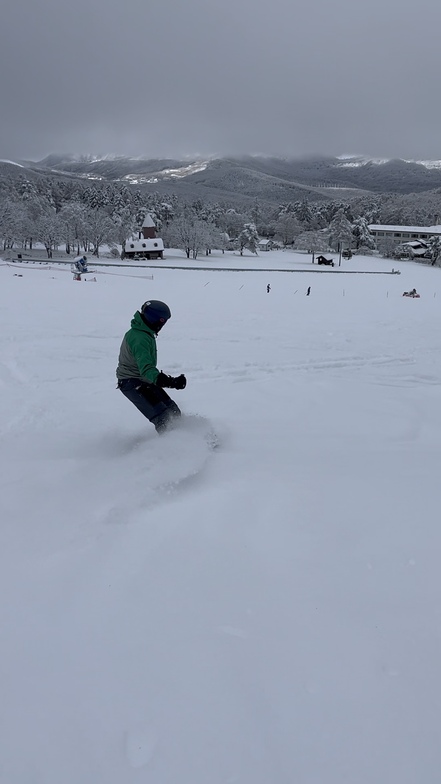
{"type": "Point", "coordinates": [308, 291]}
{"type": "Point", "coordinates": [268, 288]}
{"type": "Point", "coordinates": [138, 377]}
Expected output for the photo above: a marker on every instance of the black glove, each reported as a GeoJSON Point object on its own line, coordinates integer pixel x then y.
{"type": "Point", "coordinates": [180, 382]}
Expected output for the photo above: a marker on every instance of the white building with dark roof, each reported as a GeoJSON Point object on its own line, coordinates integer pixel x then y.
{"type": "Point", "coordinates": [147, 245]}
{"type": "Point", "coordinates": [267, 245]}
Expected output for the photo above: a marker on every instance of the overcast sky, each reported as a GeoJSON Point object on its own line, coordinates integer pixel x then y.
{"type": "Point", "coordinates": [185, 77]}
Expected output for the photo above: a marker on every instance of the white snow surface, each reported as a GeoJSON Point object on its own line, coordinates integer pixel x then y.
{"type": "Point", "coordinates": [263, 613]}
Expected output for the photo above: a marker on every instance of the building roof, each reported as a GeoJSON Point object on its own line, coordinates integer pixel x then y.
{"type": "Point", "coordinates": [406, 229]}
{"type": "Point", "coordinates": [148, 222]}
{"type": "Point", "coordinates": [416, 244]}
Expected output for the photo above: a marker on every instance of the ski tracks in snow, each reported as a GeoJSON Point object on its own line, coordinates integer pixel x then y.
{"type": "Point", "coordinates": [134, 474]}
{"type": "Point", "coordinates": [77, 486]}
{"type": "Point", "coordinates": [153, 469]}
{"type": "Point", "coordinates": [252, 371]}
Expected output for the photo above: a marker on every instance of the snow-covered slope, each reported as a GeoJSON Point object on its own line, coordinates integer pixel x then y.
{"type": "Point", "coordinates": [12, 163]}
{"type": "Point", "coordinates": [355, 161]}
{"type": "Point", "coordinates": [265, 612]}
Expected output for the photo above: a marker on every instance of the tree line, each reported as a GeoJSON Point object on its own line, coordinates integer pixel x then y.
{"type": "Point", "coordinates": [81, 217]}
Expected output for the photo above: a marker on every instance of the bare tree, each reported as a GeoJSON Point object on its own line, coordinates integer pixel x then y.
{"type": "Point", "coordinates": [124, 225]}
{"type": "Point", "coordinates": [189, 234]}
{"type": "Point", "coordinates": [313, 241]}
{"type": "Point", "coordinates": [72, 220]}
{"type": "Point", "coordinates": [48, 230]}
{"type": "Point", "coordinates": [387, 246]}
{"type": "Point", "coordinates": [99, 229]}
{"type": "Point", "coordinates": [12, 219]}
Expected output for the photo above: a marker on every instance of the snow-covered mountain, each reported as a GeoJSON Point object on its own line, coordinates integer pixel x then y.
{"type": "Point", "coordinates": [361, 160]}
{"type": "Point", "coordinates": [239, 179]}
{"type": "Point", "coordinates": [12, 163]}
{"type": "Point", "coordinates": [428, 164]}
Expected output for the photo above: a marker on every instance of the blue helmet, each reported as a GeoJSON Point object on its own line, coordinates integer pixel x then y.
{"type": "Point", "coordinates": [155, 314]}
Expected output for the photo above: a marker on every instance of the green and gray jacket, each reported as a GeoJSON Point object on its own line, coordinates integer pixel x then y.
{"type": "Point", "coordinates": [137, 355]}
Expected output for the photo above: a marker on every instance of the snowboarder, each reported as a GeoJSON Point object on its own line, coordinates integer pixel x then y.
{"type": "Point", "coordinates": [268, 288]}
{"type": "Point", "coordinates": [308, 291]}
{"type": "Point", "coordinates": [138, 377]}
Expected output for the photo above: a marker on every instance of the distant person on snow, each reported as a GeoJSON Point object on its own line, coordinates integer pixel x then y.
{"type": "Point", "coordinates": [268, 288]}
{"type": "Point", "coordinates": [308, 291]}
{"type": "Point", "coordinates": [138, 377]}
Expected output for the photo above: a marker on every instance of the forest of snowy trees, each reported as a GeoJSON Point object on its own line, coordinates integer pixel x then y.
{"type": "Point", "coordinates": [76, 216]}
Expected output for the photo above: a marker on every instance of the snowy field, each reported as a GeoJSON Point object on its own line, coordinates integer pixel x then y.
{"type": "Point", "coordinates": [283, 259]}
{"type": "Point", "coordinates": [264, 613]}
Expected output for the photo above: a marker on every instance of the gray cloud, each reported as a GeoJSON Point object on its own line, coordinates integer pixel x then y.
{"type": "Point", "coordinates": [167, 77]}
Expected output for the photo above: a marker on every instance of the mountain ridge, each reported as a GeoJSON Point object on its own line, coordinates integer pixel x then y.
{"type": "Point", "coordinates": [242, 178]}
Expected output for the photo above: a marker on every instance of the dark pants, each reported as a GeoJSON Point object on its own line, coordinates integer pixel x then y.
{"type": "Point", "coordinates": [150, 400]}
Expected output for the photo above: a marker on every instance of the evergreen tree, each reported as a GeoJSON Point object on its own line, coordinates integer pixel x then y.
{"type": "Point", "coordinates": [248, 238]}
{"type": "Point", "coordinates": [434, 244]}
{"type": "Point", "coordinates": [340, 231]}
{"type": "Point", "coordinates": [363, 237]}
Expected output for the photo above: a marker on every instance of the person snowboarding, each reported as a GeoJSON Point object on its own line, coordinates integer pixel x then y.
{"type": "Point", "coordinates": [268, 288]}
{"type": "Point", "coordinates": [138, 377]}
{"type": "Point", "coordinates": [308, 291]}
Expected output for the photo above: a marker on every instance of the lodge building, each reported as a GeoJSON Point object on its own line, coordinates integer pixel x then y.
{"type": "Point", "coordinates": [401, 234]}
